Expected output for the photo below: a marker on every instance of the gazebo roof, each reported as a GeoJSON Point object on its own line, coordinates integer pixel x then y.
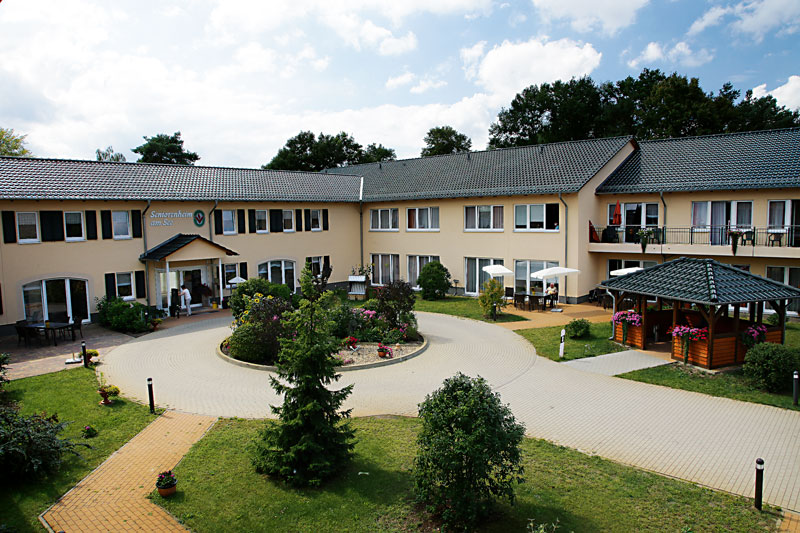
{"type": "Point", "coordinates": [701, 281]}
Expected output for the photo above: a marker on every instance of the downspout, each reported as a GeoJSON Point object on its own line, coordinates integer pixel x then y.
{"type": "Point", "coordinates": [566, 240]}
{"type": "Point", "coordinates": [146, 266]}
{"type": "Point", "coordinates": [209, 218]}
{"type": "Point", "coordinates": [361, 219]}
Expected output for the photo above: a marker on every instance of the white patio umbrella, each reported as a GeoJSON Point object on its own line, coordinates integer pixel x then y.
{"type": "Point", "coordinates": [625, 271]}
{"type": "Point", "coordinates": [553, 272]}
{"type": "Point", "coordinates": [497, 270]}
{"type": "Point", "coordinates": [237, 280]}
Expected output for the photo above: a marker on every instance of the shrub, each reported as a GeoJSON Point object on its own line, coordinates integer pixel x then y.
{"type": "Point", "coordinates": [119, 315]}
{"type": "Point", "coordinates": [772, 319]}
{"type": "Point", "coordinates": [491, 297]}
{"type": "Point", "coordinates": [468, 451]}
{"type": "Point", "coordinates": [4, 360]}
{"type": "Point", "coordinates": [395, 304]}
{"type": "Point", "coordinates": [578, 327]}
{"type": "Point", "coordinates": [254, 286]}
{"type": "Point", "coordinates": [30, 445]}
{"type": "Point", "coordinates": [770, 366]}
{"type": "Point", "coordinates": [434, 280]}
{"type": "Point", "coordinates": [256, 338]}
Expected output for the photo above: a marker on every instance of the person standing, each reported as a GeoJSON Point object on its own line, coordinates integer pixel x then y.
{"type": "Point", "coordinates": [187, 299]}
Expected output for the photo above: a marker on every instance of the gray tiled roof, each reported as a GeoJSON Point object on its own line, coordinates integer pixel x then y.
{"type": "Point", "coordinates": [39, 179]}
{"type": "Point", "coordinates": [541, 169]}
{"type": "Point", "coordinates": [752, 160]}
{"type": "Point", "coordinates": [703, 281]}
{"type": "Point", "coordinates": [175, 243]}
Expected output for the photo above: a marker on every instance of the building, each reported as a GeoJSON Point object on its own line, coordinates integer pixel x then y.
{"type": "Point", "coordinates": [74, 231]}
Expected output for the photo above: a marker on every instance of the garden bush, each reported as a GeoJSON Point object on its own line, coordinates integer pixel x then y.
{"type": "Point", "coordinates": [468, 451]}
{"type": "Point", "coordinates": [254, 286]}
{"type": "Point", "coordinates": [434, 280]}
{"type": "Point", "coordinates": [119, 315]}
{"type": "Point", "coordinates": [492, 296]}
{"type": "Point", "coordinates": [771, 366]}
{"type": "Point", "coordinates": [30, 445]}
{"type": "Point", "coordinates": [395, 303]}
{"type": "Point", "coordinates": [577, 328]}
{"type": "Point", "coordinates": [4, 360]}
{"type": "Point", "coordinates": [259, 329]}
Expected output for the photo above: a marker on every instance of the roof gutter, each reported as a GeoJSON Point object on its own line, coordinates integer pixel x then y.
{"type": "Point", "coordinates": [361, 219]}
{"type": "Point", "coordinates": [210, 231]}
{"type": "Point", "coordinates": [566, 241]}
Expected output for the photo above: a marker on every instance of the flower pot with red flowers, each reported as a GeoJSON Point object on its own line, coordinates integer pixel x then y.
{"type": "Point", "coordinates": [351, 343]}
{"type": "Point", "coordinates": [166, 483]}
{"type": "Point", "coordinates": [384, 351]}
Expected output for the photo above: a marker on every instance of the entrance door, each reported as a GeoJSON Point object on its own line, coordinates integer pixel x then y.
{"type": "Point", "coordinates": [191, 277]}
{"type": "Point", "coordinates": [56, 290]}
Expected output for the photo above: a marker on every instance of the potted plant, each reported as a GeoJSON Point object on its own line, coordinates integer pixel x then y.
{"type": "Point", "coordinates": [166, 483]}
{"type": "Point", "coordinates": [644, 237]}
{"type": "Point", "coordinates": [735, 235]}
{"type": "Point", "coordinates": [88, 432]}
{"type": "Point", "coordinates": [107, 391]}
{"type": "Point", "coordinates": [351, 343]}
{"type": "Point", "coordinates": [384, 351]}
{"type": "Point", "coordinates": [755, 334]}
{"type": "Point", "coordinates": [155, 322]}
{"type": "Point", "coordinates": [625, 318]}
{"type": "Point", "coordinates": [687, 334]}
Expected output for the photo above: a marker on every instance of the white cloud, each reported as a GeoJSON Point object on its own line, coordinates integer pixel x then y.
{"type": "Point", "coordinates": [680, 53]}
{"type": "Point", "coordinates": [392, 46]}
{"type": "Point", "coordinates": [427, 84]}
{"type": "Point", "coordinates": [760, 17]}
{"type": "Point", "coordinates": [787, 94]}
{"type": "Point", "coordinates": [712, 17]}
{"type": "Point", "coordinates": [470, 58]}
{"type": "Point", "coordinates": [405, 78]}
{"type": "Point", "coordinates": [510, 67]}
{"type": "Point", "coordinates": [588, 15]}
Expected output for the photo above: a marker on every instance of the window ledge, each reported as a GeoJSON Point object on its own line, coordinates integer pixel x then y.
{"type": "Point", "coordinates": [28, 241]}
{"type": "Point", "coordinates": [394, 229]}
{"type": "Point", "coordinates": [484, 230]}
{"type": "Point", "coordinates": [431, 230]}
{"type": "Point", "coordinates": [537, 230]}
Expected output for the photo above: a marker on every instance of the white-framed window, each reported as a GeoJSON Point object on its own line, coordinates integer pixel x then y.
{"type": "Point", "coordinates": [523, 268]}
{"type": "Point", "coordinates": [316, 220]}
{"type": "Point", "coordinates": [422, 219]}
{"type": "Point", "coordinates": [617, 264]}
{"type": "Point", "coordinates": [385, 268]}
{"type": "Point", "coordinates": [262, 221]}
{"type": "Point", "coordinates": [385, 219]}
{"type": "Point", "coordinates": [473, 271]}
{"type": "Point", "coordinates": [230, 271]}
{"type": "Point", "coordinates": [125, 285]}
{"type": "Point", "coordinates": [288, 221]}
{"type": "Point", "coordinates": [229, 222]}
{"type": "Point", "coordinates": [73, 226]}
{"type": "Point", "coordinates": [415, 264]}
{"type": "Point", "coordinates": [483, 218]}
{"type": "Point", "coordinates": [27, 227]}
{"type": "Point", "coordinates": [278, 271]}
{"type": "Point", "coordinates": [741, 215]}
{"type": "Point", "coordinates": [536, 217]}
{"type": "Point", "coordinates": [789, 276]}
{"type": "Point", "coordinates": [778, 216]}
{"type": "Point", "coordinates": [120, 224]}
{"type": "Point", "coordinates": [316, 265]}
{"type": "Point", "coordinates": [635, 216]}
{"type": "Point", "coordinates": [51, 299]}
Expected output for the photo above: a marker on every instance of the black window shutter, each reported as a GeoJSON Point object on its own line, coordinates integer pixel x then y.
{"type": "Point", "coordinates": [324, 220]}
{"type": "Point", "coordinates": [243, 269]}
{"type": "Point", "coordinates": [326, 262]}
{"type": "Point", "coordinates": [298, 216]}
{"type": "Point", "coordinates": [276, 220]}
{"type": "Point", "coordinates": [9, 227]}
{"type": "Point", "coordinates": [91, 225]}
{"type": "Point", "coordinates": [240, 220]}
{"type": "Point", "coordinates": [308, 260]}
{"type": "Point", "coordinates": [111, 285]}
{"type": "Point", "coordinates": [52, 223]}
{"type": "Point", "coordinates": [140, 284]}
{"type": "Point", "coordinates": [217, 222]}
{"type": "Point", "coordinates": [136, 223]}
{"type": "Point", "coordinates": [251, 219]}
{"type": "Point", "coordinates": [105, 223]}
{"type": "Point", "coordinates": [307, 215]}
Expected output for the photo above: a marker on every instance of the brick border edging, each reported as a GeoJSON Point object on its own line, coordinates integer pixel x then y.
{"type": "Point", "coordinates": [385, 362]}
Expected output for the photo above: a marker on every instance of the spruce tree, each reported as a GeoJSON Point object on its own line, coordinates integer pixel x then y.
{"type": "Point", "coordinates": [312, 439]}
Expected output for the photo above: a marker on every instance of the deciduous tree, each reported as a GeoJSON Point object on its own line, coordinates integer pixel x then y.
{"type": "Point", "coordinates": [13, 144]}
{"type": "Point", "coordinates": [109, 155]}
{"type": "Point", "coordinates": [165, 148]}
{"type": "Point", "coordinates": [308, 152]}
{"type": "Point", "coordinates": [444, 140]}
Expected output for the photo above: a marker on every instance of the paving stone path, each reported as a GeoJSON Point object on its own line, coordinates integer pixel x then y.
{"type": "Point", "coordinates": [614, 364]}
{"type": "Point", "coordinates": [707, 440]}
{"type": "Point", "coordinates": [112, 497]}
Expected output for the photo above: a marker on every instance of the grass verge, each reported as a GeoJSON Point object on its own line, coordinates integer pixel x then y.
{"type": "Point", "coordinates": [547, 341]}
{"type": "Point", "coordinates": [218, 490]}
{"type": "Point", "coordinates": [72, 394]}
{"type": "Point", "coordinates": [731, 384]}
{"type": "Point", "coordinates": [461, 306]}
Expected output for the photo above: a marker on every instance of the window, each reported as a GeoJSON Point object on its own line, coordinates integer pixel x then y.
{"type": "Point", "coordinates": [523, 268]}
{"type": "Point", "coordinates": [121, 224]}
{"type": "Point", "coordinates": [617, 264]}
{"type": "Point", "coordinates": [261, 221]}
{"type": "Point", "coordinates": [384, 219]}
{"type": "Point", "coordinates": [27, 227]}
{"type": "Point", "coordinates": [422, 218]}
{"type": "Point", "coordinates": [415, 264]}
{"type": "Point", "coordinates": [125, 285]}
{"type": "Point", "coordinates": [288, 221]}
{"type": "Point", "coordinates": [475, 275]}
{"type": "Point", "coordinates": [316, 265]}
{"type": "Point", "coordinates": [635, 216]}
{"type": "Point", "coordinates": [73, 226]}
{"type": "Point", "coordinates": [316, 220]}
{"type": "Point", "coordinates": [778, 216]}
{"type": "Point", "coordinates": [278, 271]}
{"type": "Point", "coordinates": [385, 268]}
{"type": "Point", "coordinates": [536, 217]}
{"type": "Point", "coordinates": [742, 215]}
{"type": "Point", "coordinates": [483, 218]}
{"type": "Point", "coordinates": [228, 221]}
{"type": "Point", "coordinates": [53, 299]}
{"type": "Point", "coordinates": [789, 276]}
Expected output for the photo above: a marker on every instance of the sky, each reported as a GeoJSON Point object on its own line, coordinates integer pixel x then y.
{"type": "Point", "coordinates": [238, 78]}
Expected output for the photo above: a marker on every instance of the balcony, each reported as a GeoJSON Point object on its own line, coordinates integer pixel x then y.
{"type": "Point", "coordinates": [780, 241]}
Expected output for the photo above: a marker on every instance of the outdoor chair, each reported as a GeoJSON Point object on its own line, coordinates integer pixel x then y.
{"type": "Point", "coordinates": [609, 235]}
{"type": "Point", "coordinates": [593, 296]}
{"type": "Point", "coordinates": [776, 239]}
{"type": "Point", "coordinates": [747, 238]}
{"type": "Point", "coordinates": [22, 334]}
{"type": "Point", "coordinates": [509, 297]}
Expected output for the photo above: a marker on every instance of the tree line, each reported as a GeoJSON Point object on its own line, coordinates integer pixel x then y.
{"type": "Point", "coordinates": [653, 105]}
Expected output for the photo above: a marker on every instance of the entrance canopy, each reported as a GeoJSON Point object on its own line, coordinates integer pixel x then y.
{"type": "Point", "coordinates": [182, 247]}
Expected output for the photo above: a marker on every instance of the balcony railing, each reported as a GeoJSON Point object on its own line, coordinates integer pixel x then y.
{"type": "Point", "coordinates": [780, 236]}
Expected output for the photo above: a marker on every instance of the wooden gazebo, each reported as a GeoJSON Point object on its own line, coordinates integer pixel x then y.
{"type": "Point", "coordinates": [699, 293]}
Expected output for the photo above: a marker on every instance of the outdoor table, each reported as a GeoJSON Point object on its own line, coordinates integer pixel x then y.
{"type": "Point", "coordinates": [537, 297]}
{"type": "Point", "coordinates": [53, 327]}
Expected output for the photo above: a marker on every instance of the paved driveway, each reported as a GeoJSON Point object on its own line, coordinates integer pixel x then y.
{"type": "Point", "coordinates": [712, 441]}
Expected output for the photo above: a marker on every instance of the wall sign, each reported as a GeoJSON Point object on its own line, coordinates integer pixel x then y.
{"type": "Point", "coordinates": [165, 218]}
{"type": "Point", "coordinates": [199, 218]}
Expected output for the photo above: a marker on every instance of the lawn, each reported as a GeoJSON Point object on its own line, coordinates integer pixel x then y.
{"type": "Point", "coordinates": [461, 306]}
{"type": "Point", "coordinates": [218, 490]}
{"type": "Point", "coordinates": [72, 394]}
{"type": "Point", "coordinates": [547, 341]}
